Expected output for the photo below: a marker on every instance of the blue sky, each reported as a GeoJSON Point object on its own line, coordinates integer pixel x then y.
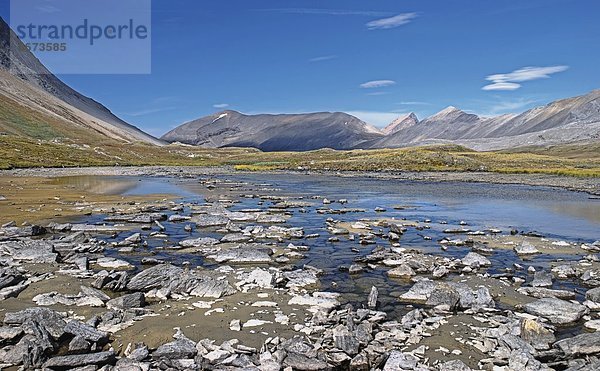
{"type": "Point", "coordinates": [376, 59]}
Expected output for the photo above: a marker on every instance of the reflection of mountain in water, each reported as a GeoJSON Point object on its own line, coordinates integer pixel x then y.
{"type": "Point", "coordinates": [589, 211]}
{"type": "Point", "coordinates": [98, 184]}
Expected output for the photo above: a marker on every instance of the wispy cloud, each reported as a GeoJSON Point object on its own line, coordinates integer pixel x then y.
{"type": "Point", "coordinates": [377, 84]}
{"type": "Point", "coordinates": [323, 58]}
{"type": "Point", "coordinates": [499, 105]}
{"type": "Point", "coordinates": [414, 103]}
{"type": "Point", "coordinates": [148, 111]}
{"type": "Point", "coordinates": [221, 105]}
{"type": "Point", "coordinates": [391, 22]}
{"type": "Point", "coordinates": [317, 11]}
{"type": "Point", "coordinates": [511, 80]}
{"type": "Point", "coordinates": [376, 93]}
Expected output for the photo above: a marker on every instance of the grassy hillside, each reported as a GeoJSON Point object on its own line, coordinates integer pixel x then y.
{"type": "Point", "coordinates": [21, 152]}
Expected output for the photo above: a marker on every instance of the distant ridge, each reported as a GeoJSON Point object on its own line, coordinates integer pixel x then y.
{"type": "Point", "coordinates": [292, 132]}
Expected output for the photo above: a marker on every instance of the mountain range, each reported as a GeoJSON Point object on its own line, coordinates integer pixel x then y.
{"type": "Point", "coordinates": [572, 120]}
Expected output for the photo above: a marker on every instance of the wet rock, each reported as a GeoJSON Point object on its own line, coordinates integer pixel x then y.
{"type": "Point", "coordinates": [542, 279]}
{"type": "Point", "coordinates": [556, 310]}
{"type": "Point", "coordinates": [584, 344]}
{"type": "Point", "coordinates": [135, 300]}
{"type": "Point", "coordinates": [300, 278]}
{"type": "Point", "coordinates": [403, 271]}
{"type": "Point", "coordinates": [199, 242]}
{"type": "Point", "coordinates": [243, 255]}
{"type": "Point", "coordinates": [355, 269]}
{"type": "Point", "coordinates": [204, 221]}
{"type": "Point", "coordinates": [526, 248]}
{"type": "Point", "coordinates": [112, 263]}
{"type": "Point", "coordinates": [475, 260]}
{"type": "Point", "coordinates": [540, 292]}
{"type": "Point", "coordinates": [72, 361]}
{"type": "Point", "coordinates": [372, 300]}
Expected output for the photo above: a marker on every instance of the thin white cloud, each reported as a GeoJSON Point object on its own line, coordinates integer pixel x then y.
{"type": "Point", "coordinates": [377, 93]}
{"type": "Point", "coordinates": [391, 22]}
{"type": "Point", "coordinates": [377, 84]}
{"type": "Point", "coordinates": [323, 58]}
{"type": "Point", "coordinates": [148, 111]}
{"type": "Point", "coordinates": [511, 80]}
{"type": "Point", "coordinates": [340, 12]}
{"type": "Point", "coordinates": [221, 105]}
{"type": "Point", "coordinates": [415, 103]}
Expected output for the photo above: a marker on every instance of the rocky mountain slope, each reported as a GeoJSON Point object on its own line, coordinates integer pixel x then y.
{"type": "Point", "coordinates": [565, 121]}
{"type": "Point", "coordinates": [297, 132]}
{"type": "Point", "coordinates": [34, 103]}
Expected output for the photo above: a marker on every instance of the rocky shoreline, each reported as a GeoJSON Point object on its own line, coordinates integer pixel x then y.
{"type": "Point", "coordinates": [119, 292]}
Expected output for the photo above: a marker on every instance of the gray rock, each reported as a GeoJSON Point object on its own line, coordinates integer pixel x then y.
{"type": "Point", "coordinates": [540, 292]}
{"type": "Point", "coordinates": [99, 359]}
{"type": "Point", "coordinates": [402, 271]}
{"type": "Point", "coordinates": [475, 260]}
{"type": "Point", "coordinates": [359, 363]}
{"type": "Point", "coordinates": [204, 221]}
{"type": "Point", "coordinates": [44, 318]}
{"type": "Point", "coordinates": [526, 249]}
{"type": "Point", "coordinates": [10, 333]}
{"type": "Point", "coordinates": [181, 348]}
{"type": "Point", "coordinates": [556, 310]}
{"type": "Point", "coordinates": [199, 242]}
{"type": "Point", "coordinates": [79, 345]}
{"type": "Point", "coordinates": [85, 331]}
{"type": "Point", "coordinates": [154, 277]}
{"type": "Point", "coordinates": [593, 295]}
{"type": "Point", "coordinates": [584, 344]}
{"type": "Point", "coordinates": [536, 334]}
{"type": "Point", "coordinates": [29, 352]}
{"type": "Point", "coordinates": [135, 300]}
{"type": "Point", "coordinates": [242, 255]}
{"type": "Point", "coordinates": [400, 361]}
{"type": "Point", "coordinates": [372, 300]}
{"type": "Point", "coordinates": [542, 279]}
{"type": "Point", "coordinates": [440, 272]}
{"type": "Point", "coordinates": [31, 251]}
{"type": "Point", "coordinates": [344, 340]}
{"type": "Point", "coordinates": [444, 294]}
{"type": "Point", "coordinates": [455, 365]}
{"type": "Point", "coordinates": [301, 362]}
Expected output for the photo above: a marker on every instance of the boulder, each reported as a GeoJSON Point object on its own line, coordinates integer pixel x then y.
{"type": "Point", "coordinates": [135, 300]}
{"type": "Point", "coordinates": [78, 360]}
{"type": "Point", "coordinates": [475, 260]}
{"type": "Point", "coordinates": [556, 310]}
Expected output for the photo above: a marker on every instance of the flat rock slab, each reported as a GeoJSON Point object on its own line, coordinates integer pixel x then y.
{"type": "Point", "coordinates": [556, 310]}
{"type": "Point", "coordinates": [79, 360]}
{"type": "Point", "coordinates": [584, 344]}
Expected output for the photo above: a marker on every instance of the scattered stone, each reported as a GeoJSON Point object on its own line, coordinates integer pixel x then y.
{"type": "Point", "coordinates": [556, 310]}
